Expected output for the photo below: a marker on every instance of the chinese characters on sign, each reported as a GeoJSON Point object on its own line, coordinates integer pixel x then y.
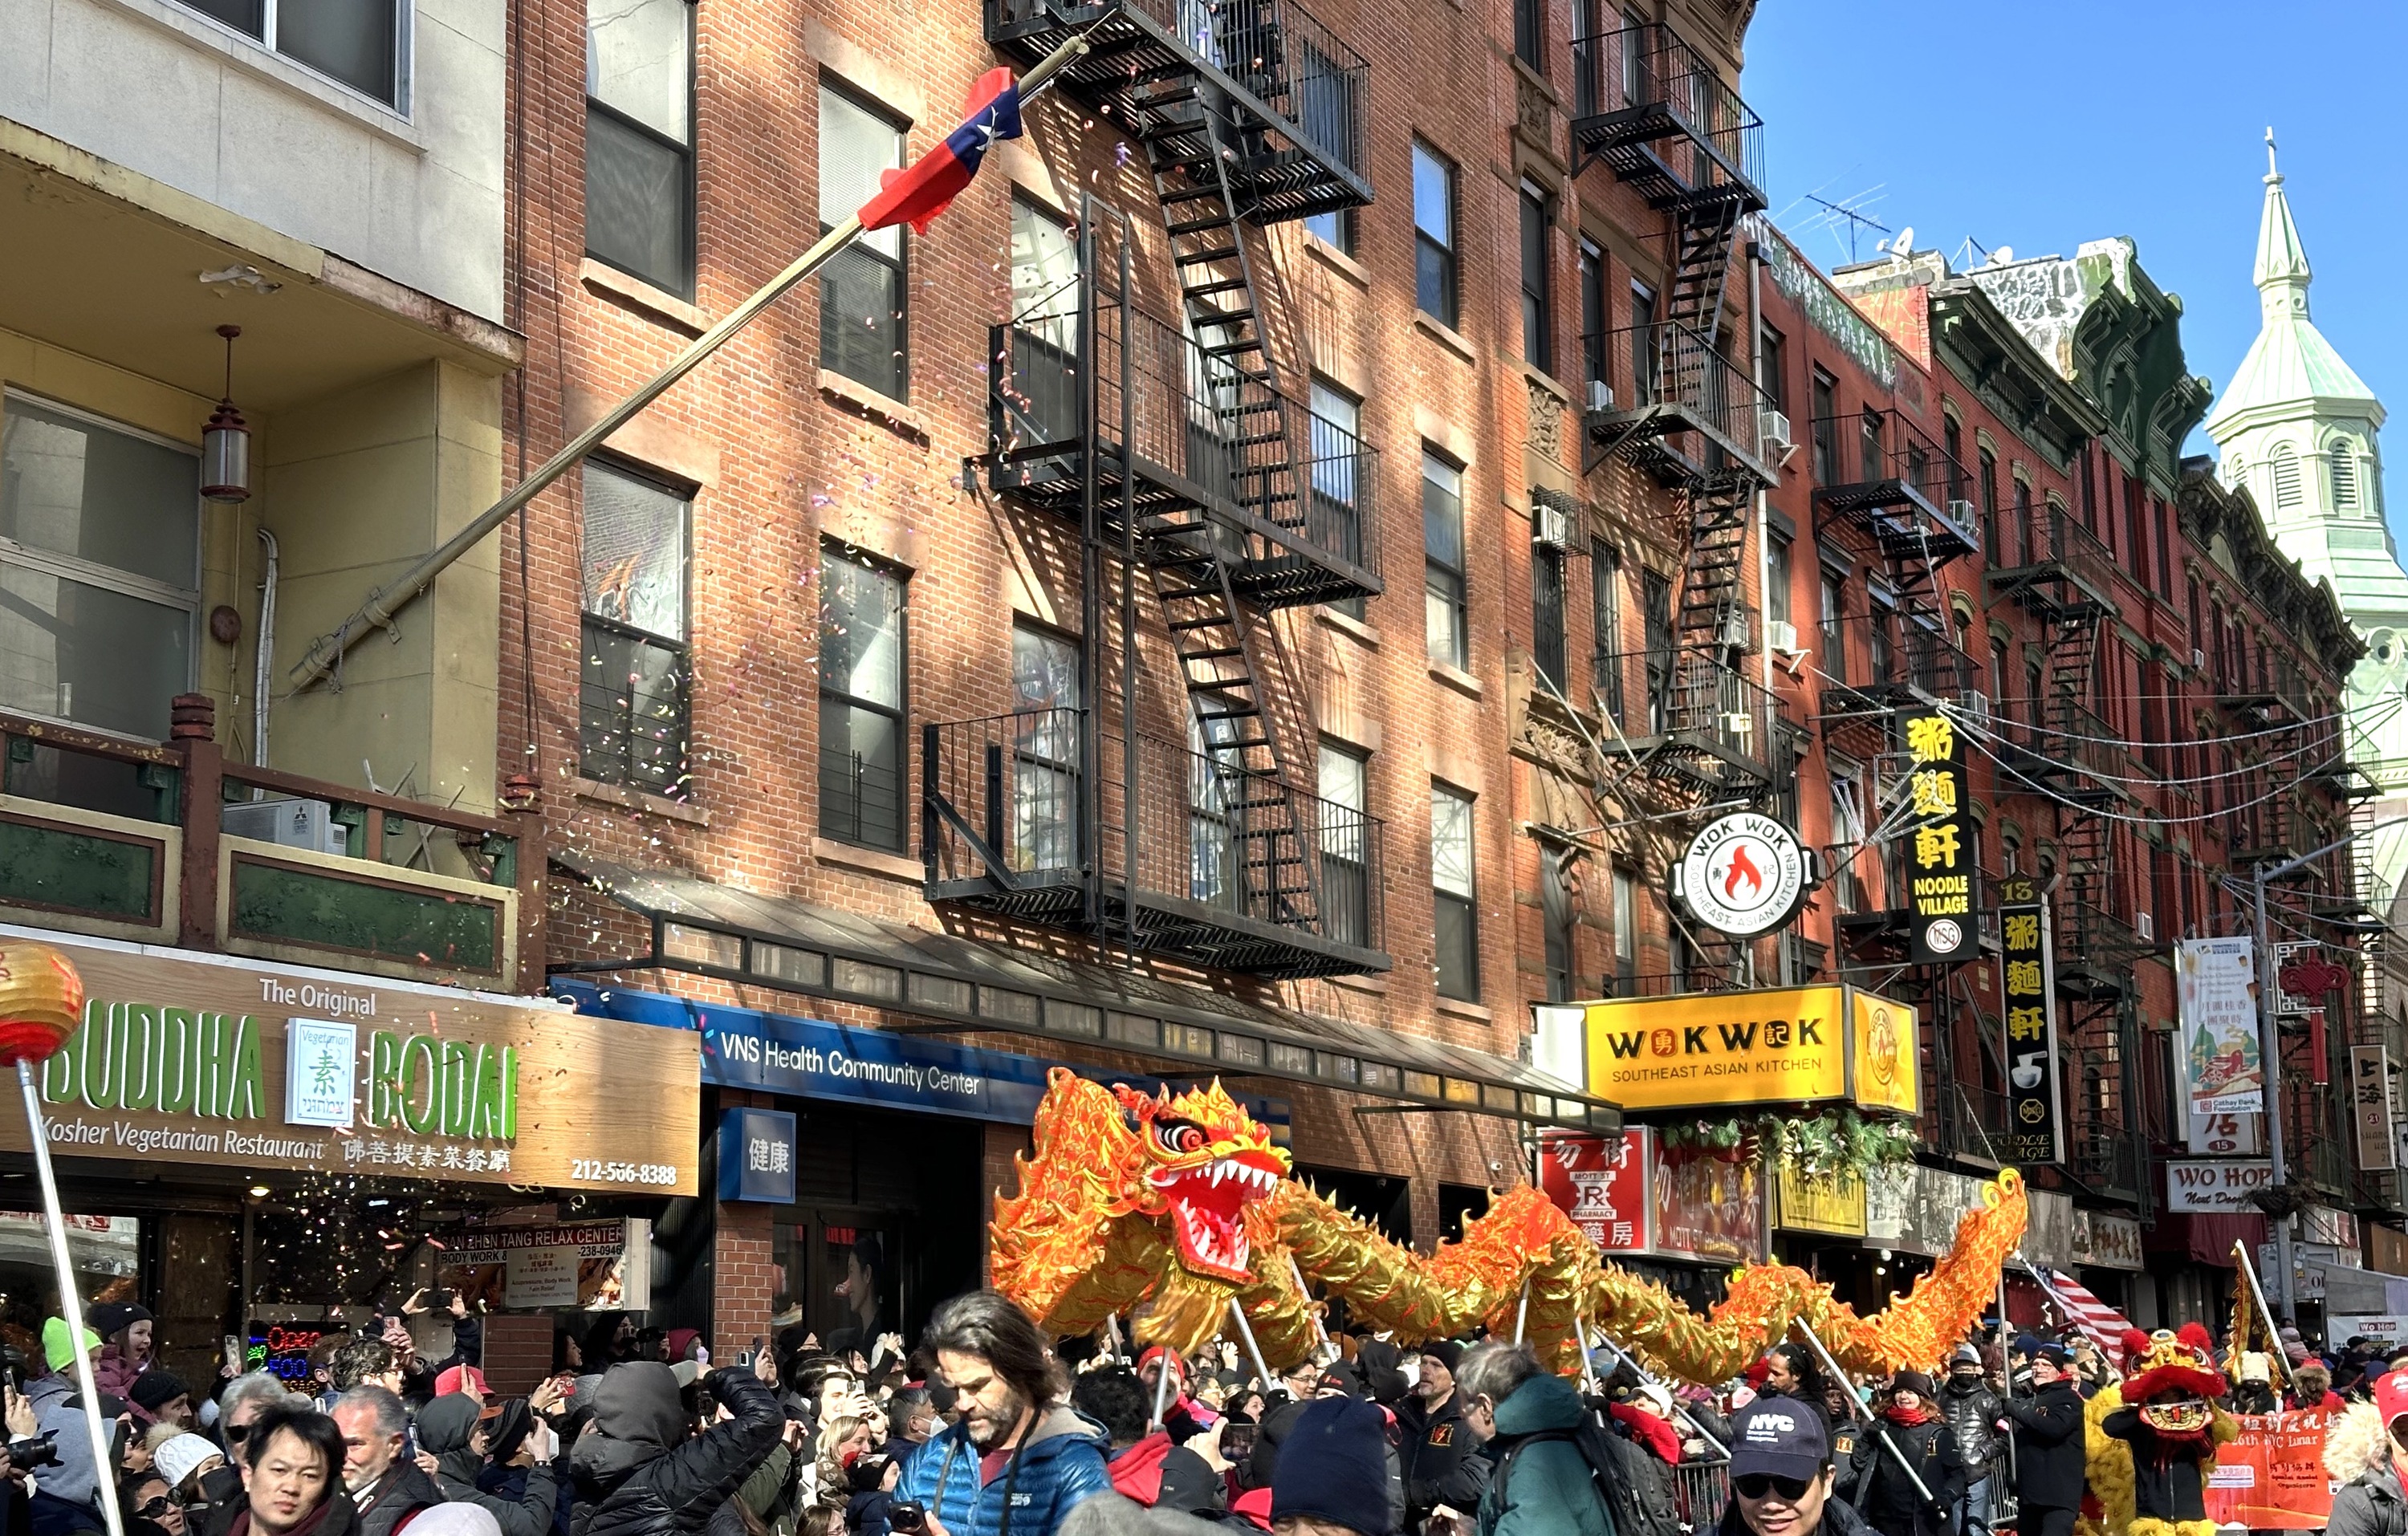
{"type": "Point", "coordinates": [2216, 986]}
{"type": "Point", "coordinates": [2035, 1113]}
{"type": "Point", "coordinates": [1601, 1182]}
{"type": "Point", "coordinates": [1940, 858]}
{"type": "Point", "coordinates": [756, 1156]}
{"type": "Point", "coordinates": [2369, 1107]}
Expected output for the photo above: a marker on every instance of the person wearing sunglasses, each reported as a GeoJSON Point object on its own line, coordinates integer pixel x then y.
{"type": "Point", "coordinates": [1780, 1474]}
{"type": "Point", "coordinates": [149, 1508]}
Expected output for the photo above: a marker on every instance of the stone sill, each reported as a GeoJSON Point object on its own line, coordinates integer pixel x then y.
{"type": "Point", "coordinates": [253, 58]}
{"type": "Point", "coordinates": [654, 303]}
{"type": "Point", "coordinates": [1337, 261]}
{"type": "Point", "coordinates": [858, 398]}
{"type": "Point", "coordinates": [870, 861]}
{"type": "Point", "coordinates": [1458, 679]}
{"type": "Point", "coordinates": [1445, 335]}
{"type": "Point", "coordinates": [1347, 624]}
{"type": "Point", "coordinates": [640, 801]}
{"type": "Point", "coordinates": [1375, 983]}
{"type": "Point", "coordinates": [1456, 1008]}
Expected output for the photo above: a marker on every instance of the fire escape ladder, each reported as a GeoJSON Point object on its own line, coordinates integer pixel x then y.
{"type": "Point", "coordinates": [1711, 618]}
{"type": "Point", "coordinates": [1701, 235]}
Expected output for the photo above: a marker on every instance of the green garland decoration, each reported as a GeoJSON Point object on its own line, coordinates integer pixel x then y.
{"type": "Point", "coordinates": [1836, 1143]}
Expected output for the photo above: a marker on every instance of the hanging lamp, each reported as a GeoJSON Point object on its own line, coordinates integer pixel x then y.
{"type": "Point", "coordinates": [226, 442]}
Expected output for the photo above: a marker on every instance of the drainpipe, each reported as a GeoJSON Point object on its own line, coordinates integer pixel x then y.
{"type": "Point", "coordinates": [264, 644]}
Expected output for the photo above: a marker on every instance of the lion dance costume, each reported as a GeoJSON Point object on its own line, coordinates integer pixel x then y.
{"type": "Point", "coordinates": [1168, 1209]}
{"type": "Point", "coordinates": [2150, 1447]}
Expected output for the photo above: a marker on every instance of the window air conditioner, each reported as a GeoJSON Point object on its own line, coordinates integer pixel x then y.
{"type": "Point", "coordinates": [287, 823]}
{"type": "Point", "coordinates": [2198, 658]}
{"type": "Point", "coordinates": [1736, 630]}
{"type": "Point", "coordinates": [1550, 526]}
{"type": "Point", "coordinates": [1782, 635]}
{"type": "Point", "coordinates": [1772, 428]}
{"type": "Point", "coordinates": [1977, 704]}
{"type": "Point", "coordinates": [1600, 396]}
{"type": "Point", "coordinates": [2145, 925]}
{"type": "Point", "coordinates": [1960, 513]}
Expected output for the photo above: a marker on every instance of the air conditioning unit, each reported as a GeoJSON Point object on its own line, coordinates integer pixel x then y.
{"type": "Point", "coordinates": [1960, 513]}
{"type": "Point", "coordinates": [2198, 658]}
{"type": "Point", "coordinates": [1773, 430]}
{"type": "Point", "coordinates": [1550, 526]}
{"type": "Point", "coordinates": [1600, 396]}
{"type": "Point", "coordinates": [1737, 629]}
{"type": "Point", "coordinates": [1782, 635]}
{"type": "Point", "coordinates": [287, 823]}
{"type": "Point", "coordinates": [1977, 705]}
{"type": "Point", "coordinates": [2145, 925]}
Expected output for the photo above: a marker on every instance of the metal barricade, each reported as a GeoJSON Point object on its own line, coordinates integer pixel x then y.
{"type": "Point", "coordinates": [1700, 1491]}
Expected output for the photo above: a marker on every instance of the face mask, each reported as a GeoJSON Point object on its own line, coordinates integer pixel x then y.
{"type": "Point", "coordinates": [1865, 1394]}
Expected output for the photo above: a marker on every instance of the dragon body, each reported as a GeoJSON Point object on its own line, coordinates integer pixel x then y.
{"type": "Point", "coordinates": [1165, 1209]}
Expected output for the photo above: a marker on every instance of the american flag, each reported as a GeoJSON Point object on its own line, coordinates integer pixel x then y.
{"type": "Point", "coordinates": [2100, 1323]}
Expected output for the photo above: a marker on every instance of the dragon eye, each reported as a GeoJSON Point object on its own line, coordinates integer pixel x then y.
{"type": "Point", "coordinates": [1178, 1136]}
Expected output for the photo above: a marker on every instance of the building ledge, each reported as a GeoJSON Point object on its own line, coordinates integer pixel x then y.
{"type": "Point", "coordinates": [1455, 1008]}
{"type": "Point", "coordinates": [861, 400]}
{"type": "Point", "coordinates": [656, 304]}
{"type": "Point", "coordinates": [1337, 261]}
{"type": "Point", "coordinates": [638, 800]}
{"type": "Point", "coordinates": [1347, 624]}
{"type": "Point", "coordinates": [1445, 335]}
{"type": "Point", "coordinates": [1458, 679]}
{"type": "Point", "coordinates": [870, 861]}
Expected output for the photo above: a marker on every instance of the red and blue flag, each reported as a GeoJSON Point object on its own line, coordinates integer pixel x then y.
{"type": "Point", "coordinates": [916, 195]}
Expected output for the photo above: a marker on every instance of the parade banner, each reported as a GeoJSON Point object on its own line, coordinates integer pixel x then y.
{"type": "Point", "coordinates": [2035, 1107]}
{"type": "Point", "coordinates": [2217, 990]}
{"type": "Point", "coordinates": [2271, 1475]}
{"type": "Point", "coordinates": [1939, 882]}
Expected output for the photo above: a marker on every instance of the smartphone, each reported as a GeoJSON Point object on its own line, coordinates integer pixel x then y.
{"type": "Point", "coordinates": [233, 1346]}
{"type": "Point", "coordinates": [439, 1301]}
{"type": "Point", "coordinates": [1238, 1440]}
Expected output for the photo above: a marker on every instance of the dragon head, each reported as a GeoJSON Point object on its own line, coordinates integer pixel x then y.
{"type": "Point", "coordinates": [1202, 1161]}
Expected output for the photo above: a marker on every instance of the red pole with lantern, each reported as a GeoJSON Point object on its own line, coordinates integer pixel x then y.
{"type": "Point", "coordinates": [41, 1002]}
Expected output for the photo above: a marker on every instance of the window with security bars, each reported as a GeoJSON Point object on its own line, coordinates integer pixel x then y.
{"type": "Point", "coordinates": [633, 719]}
{"type": "Point", "coordinates": [1547, 612]}
{"type": "Point", "coordinates": [1457, 957]}
{"type": "Point", "coordinates": [1605, 625]}
{"type": "Point", "coordinates": [1556, 910]}
{"type": "Point", "coordinates": [640, 140]}
{"type": "Point", "coordinates": [864, 298]}
{"type": "Point", "coordinates": [861, 703]}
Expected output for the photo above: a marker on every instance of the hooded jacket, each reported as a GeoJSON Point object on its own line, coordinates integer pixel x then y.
{"type": "Point", "coordinates": [1972, 1410]}
{"type": "Point", "coordinates": [2369, 1504]}
{"type": "Point", "coordinates": [638, 1472]}
{"type": "Point", "coordinates": [1161, 1474]}
{"type": "Point", "coordinates": [72, 1481]}
{"type": "Point", "coordinates": [445, 1427]}
{"type": "Point", "coordinates": [1059, 1464]}
{"type": "Point", "coordinates": [1545, 1488]}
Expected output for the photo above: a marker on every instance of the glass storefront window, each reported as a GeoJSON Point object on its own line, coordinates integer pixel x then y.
{"type": "Point", "coordinates": [107, 1251]}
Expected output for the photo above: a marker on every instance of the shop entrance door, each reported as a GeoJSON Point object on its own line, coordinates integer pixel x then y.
{"type": "Point", "coordinates": [852, 1248]}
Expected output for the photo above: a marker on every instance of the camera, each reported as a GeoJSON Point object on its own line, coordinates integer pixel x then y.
{"type": "Point", "coordinates": [34, 1451]}
{"type": "Point", "coordinates": [907, 1514]}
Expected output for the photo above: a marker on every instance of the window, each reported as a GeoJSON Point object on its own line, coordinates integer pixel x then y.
{"type": "Point", "coordinates": [2165, 548]}
{"type": "Point", "coordinates": [640, 140]}
{"type": "Point", "coordinates": [1826, 428]}
{"type": "Point", "coordinates": [1847, 836]}
{"type": "Point", "coordinates": [1873, 461]}
{"type": "Point", "coordinates": [1656, 620]}
{"type": "Point", "coordinates": [1625, 932]}
{"type": "Point", "coordinates": [1835, 633]}
{"type": "Point", "coordinates": [2345, 477]}
{"type": "Point", "coordinates": [1045, 702]}
{"type": "Point", "coordinates": [1772, 369]}
{"type": "Point", "coordinates": [2021, 529]}
{"type": "Point", "coordinates": [1345, 846]}
{"type": "Point", "coordinates": [1999, 675]}
{"type": "Point", "coordinates": [1779, 562]}
{"type": "Point", "coordinates": [1434, 257]}
{"type": "Point", "coordinates": [2136, 544]}
{"type": "Point", "coordinates": [1537, 296]}
{"type": "Point", "coordinates": [1986, 469]}
{"type": "Point", "coordinates": [1646, 355]}
{"type": "Point", "coordinates": [1547, 612]}
{"type": "Point", "coordinates": [1445, 625]}
{"type": "Point", "coordinates": [1530, 33]}
{"type": "Point", "coordinates": [631, 707]}
{"type": "Point", "coordinates": [1556, 916]}
{"type": "Point", "coordinates": [1332, 115]}
{"type": "Point", "coordinates": [1952, 442]}
{"type": "Point", "coordinates": [1592, 313]}
{"type": "Point", "coordinates": [357, 42]}
{"type": "Point", "coordinates": [862, 748]}
{"type": "Point", "coordinates": [1605, 625]}
{"type": "Point", "coordinates": [1881, 637]}
{"type": "Point", "coordinates": [863, 294]}
{"type": "Point", "coordinates": [1336, 446]}
{"type": "Point", "coordinates": [1045, 399]}
{"type": "Point", "coordinates": [100, 573]}
{"type": "Point", "coordinates": [2287, 477]}
{"type": "Point", "coordinates": [1457, 916]}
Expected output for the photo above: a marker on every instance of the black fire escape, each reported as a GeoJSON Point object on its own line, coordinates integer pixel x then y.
{"type": "Point", "coordinates": [1683, 411]}
{"type": "Point", "coordinates": [1189, 830]}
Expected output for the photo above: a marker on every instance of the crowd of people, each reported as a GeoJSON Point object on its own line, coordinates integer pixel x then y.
{"type": "Point", "coordinates": [986, 1428]}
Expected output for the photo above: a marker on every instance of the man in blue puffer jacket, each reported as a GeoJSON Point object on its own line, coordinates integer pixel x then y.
{"type": "Point", "coordinates": [1018, 1461]}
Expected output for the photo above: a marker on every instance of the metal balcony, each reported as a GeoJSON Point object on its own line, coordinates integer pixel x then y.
{"type": "Point", "coordinates": [2076, 756]}
{"type": "Point", "coordinates": [1292, 497]}
{"type": "Point", "coordinates": [1680, 410]}
{"type": "Point", "coordinates": [1648, 106]}
{"type": "Point", "coordinates": [2266, 825]}
{"type": "Point", "coordinates": [1908, 497]}
{"type": "Point", "coordinates": [1690, 717]}
{"type": "Point", "coordinates": [2266, 699]}
{"type": "Point", "coordinates": [1287, 90]}
{"type": "Point", "coordinates": [1916, 669]}
{"type": "Point", "coordinates": [1204, 862]}
{"type": "Point", "coordinates": [2068, 574]}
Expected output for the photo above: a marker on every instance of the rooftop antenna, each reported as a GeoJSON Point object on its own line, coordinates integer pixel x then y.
{"type": "Point", "coordinates": [1858, 222]}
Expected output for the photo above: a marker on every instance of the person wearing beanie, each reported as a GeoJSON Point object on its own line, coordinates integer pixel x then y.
{"type": "Point", "coordinates": [1433, 1446]}
{"type": "Point", "coordinates": [125, 1349]}
{"type": "Point", "coordinates": [1333, 1471]}
{"type": "Point", "coordinates": [159, 1396]}
{"type": "Point", "coordinates": [1972, 1410]}
{"type": "Point", "coordinates": [1887, 1498]}
{"type": "Point", "coordinates": [184, 1461]}
{"type": "Point", "coordinates": [2050, 1459]}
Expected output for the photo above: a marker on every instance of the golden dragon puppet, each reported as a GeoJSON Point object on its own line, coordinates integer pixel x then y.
{"type": "Point", "coordinates": [1164, 1209]}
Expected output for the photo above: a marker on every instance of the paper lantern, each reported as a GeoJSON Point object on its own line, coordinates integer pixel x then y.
{"type": "Point", "coordinates": [41, 1001]}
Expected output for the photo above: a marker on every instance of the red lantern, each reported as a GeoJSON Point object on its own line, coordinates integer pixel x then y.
{"type": "Point", "coordinates": [41, 1001]}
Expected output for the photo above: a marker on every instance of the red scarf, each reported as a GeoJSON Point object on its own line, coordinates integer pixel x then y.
{"type": "Point", "coordinates": [1909, 1417]}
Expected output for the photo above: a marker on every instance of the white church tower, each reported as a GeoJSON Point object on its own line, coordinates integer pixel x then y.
{"type": "Point", "coordinates": [2296, 429]}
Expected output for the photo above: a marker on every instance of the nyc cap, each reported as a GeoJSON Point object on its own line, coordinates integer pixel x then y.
{"type": "Point", "coordinates": [1779, 1435]}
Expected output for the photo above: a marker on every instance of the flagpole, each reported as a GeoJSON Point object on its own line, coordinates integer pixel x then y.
{"type": "Point", "coordinates": [327, 651]}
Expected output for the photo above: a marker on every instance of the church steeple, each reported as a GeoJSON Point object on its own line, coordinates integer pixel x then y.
{"type": "Point", "coordinates": [2283, 275]}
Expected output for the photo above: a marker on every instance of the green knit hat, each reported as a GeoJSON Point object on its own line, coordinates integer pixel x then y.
{"type": "Point", "coordinates": [58, 1348]}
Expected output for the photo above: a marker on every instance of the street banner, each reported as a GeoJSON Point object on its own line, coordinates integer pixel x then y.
{"type": "Point", "coordinates": [2370, 1108]}
{"type": "Point", "coordinates": [2271, 1475]}
{"type": "Point", "coordinates": [2035, 1107]}
{"type": "Point", "coordinates": [1940, 875]}
{"type": "Point", "coordinates": [2216, 989]}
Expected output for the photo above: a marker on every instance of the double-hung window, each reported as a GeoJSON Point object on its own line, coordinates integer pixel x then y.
{"type": "Point", "coordinates": [1605, 625]}
{"type": "Point", "coordinates": [1646, 347]}
{"type": "Point", "coordinates": [1446, 624]}
{"type": "Point", "coordinates": [1537, 281]}
{"type": "Point", "coordinates": [360, 43]}
{"type": "Point", "coordinates": [632, 720]}
{"type": "Point", "coordinates": [1457, 958]}
{"type": "Point", "coordinates": [1045, 701]}
{"type": "Point", "coordinates": [1434, 249]}
{"type": "Point", "coordinates": [1625, 932]}
{"type": "Point", "coordinates": [1345, 846]}
{"type": "Point", "coordinates": [861, 703]}
{"type": "Point", "coordinates": [1335, 437]}
{"type": "Point", "coordinates": [864, 297]}
{"type": "Point", "coordinates": [99, 569]}
{"type": "Point", "coordinates": [640, 140]}
{"type": "Point", "coordinates": [1592, 315]}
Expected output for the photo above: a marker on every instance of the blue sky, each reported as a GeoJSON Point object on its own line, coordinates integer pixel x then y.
{"type": "Point", "coordinates": [2041, 123]}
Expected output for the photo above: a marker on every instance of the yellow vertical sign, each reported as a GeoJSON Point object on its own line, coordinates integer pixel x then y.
{"type": "Point", "coordinates": [1889, 1071]}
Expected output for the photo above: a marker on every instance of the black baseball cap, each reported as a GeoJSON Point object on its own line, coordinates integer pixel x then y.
{"type": "Point", "coordinates": [1778, 1435]}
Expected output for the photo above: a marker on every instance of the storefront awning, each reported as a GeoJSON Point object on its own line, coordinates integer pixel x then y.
{"type": "Point", "coordinates": [708, 929]}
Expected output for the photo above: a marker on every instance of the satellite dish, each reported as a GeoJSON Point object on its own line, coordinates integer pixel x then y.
{"type": "Point", "coordinates": [2002, 255]}
{"type": "Point", "coordinates": [1902, 245]}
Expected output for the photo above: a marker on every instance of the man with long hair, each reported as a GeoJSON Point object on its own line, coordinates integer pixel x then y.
{"type": "Point", "coordinates": [1016, 1457]}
